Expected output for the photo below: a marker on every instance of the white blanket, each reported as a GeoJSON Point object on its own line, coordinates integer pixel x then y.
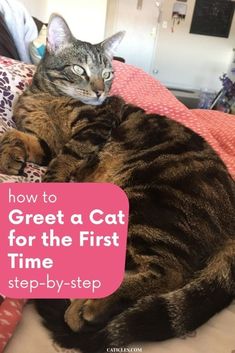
{"type": "Point", "coordinates": [20, 25]}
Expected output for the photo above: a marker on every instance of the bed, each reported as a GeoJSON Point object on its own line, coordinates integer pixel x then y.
{"type": "Point", "coordinates": [136, 87]}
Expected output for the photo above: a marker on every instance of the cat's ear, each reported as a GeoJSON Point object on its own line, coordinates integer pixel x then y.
{"type": "Point", "coordinates": [58, 33]}
{"type": "Point", "coordinates": [110, 44]}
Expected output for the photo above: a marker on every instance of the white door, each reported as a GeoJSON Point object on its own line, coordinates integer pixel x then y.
{"type": "Point", "coordinates": [140, 19]}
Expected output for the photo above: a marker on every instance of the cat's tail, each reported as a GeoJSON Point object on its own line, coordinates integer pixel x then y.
{"type": "Point", "coordinates": [156, 318]}
{"type": "Point", "coordinates": [153, 318]}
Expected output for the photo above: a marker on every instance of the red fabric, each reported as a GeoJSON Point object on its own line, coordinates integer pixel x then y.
{"type": "Point", "coordinates": [10, 314]}
{"type": "Point", "coordinates": [137, 87]}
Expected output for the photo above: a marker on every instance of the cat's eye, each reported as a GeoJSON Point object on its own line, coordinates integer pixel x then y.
{"type": "Point", "coordinates": [107, 75]}
{"type": "Point", "coordinates": [78, 70]}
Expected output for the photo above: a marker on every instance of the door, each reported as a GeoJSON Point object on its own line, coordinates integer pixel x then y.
{"type": "Point", "coordinates": [140, 19]}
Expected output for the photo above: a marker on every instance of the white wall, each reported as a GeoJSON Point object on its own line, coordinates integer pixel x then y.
{"type": "Point", "coordinates": [37, 8]}
{"type": "Point", "coordinates": [191, 60]}
{"type": "Point", "coordinates": [86, 18]}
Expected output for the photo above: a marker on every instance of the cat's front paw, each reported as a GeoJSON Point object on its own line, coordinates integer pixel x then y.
{"type": "Point", "coordinates": [86, 313]}
{"type": "Point", "coordinates": [56, 175]}
{"type": "Point", "coordinates": [60, 169]}
{"type": "Point", "coordinates": [56, 171]}
{"type": "Point", "coordinates": [13, 154]}
{"type": "Point", "coordinates": [51, 176]}
{"type": "Point", "coordinates": [73, 315]}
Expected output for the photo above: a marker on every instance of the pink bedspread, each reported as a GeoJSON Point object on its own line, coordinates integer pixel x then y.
{"type": "Point", "coordinates": [136, 87]}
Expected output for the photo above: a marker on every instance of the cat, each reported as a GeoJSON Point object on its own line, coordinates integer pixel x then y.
{"type": "Point", "coordinates": [180, 263]}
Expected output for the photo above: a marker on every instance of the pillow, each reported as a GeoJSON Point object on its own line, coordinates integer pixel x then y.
{"type": "Point", "coordinates": [14, 78]}
{"type": "Point", "coordinates": [10, 314]}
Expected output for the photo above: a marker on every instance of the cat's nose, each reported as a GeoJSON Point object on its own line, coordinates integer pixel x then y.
{"type": "Point", "coordinates": [98, 93]}
{"type": "Point", "coordinates": [97, 86]}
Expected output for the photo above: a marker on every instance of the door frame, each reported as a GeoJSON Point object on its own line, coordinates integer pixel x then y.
{"type": "Point", "coordinates": [110, 25]}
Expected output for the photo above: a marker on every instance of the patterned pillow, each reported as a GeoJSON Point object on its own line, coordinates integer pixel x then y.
{"type": "Point", "coordinates": [14, 77]}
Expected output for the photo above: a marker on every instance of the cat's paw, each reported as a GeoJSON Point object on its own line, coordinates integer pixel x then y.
{"type": "Point", "coordinates": [51, 176]}
{"type": "Point", "coordinates": [54, 175]}
{"type": "Point", "coordinates": [88, 312]}
{"type": "Point", "coordinates": [73, 315]}
{"type": "Point", "coordinates": [56, 172]}
{"type": "Point", "coordinates": [13, 154]}
{"type": "Point", "coordinates": [60, 169]}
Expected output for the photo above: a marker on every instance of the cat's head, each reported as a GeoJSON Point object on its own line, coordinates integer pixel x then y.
{"type": "Point", "coordinates": [78, 69]}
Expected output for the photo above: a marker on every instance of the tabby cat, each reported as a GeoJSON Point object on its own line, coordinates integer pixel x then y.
{"type": "Point", "coordinates": [180, 265]}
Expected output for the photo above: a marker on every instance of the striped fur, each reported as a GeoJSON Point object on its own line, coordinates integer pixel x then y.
{"type": "Point", "coordinates": [180, 266]}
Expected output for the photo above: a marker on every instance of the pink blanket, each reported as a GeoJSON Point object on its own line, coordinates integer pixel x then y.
{"type": "Point", "coordinates": [136, 87]}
